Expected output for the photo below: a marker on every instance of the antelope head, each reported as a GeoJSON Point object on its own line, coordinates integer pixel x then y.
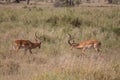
{"type": "Point", "coordinates": [71, 42]}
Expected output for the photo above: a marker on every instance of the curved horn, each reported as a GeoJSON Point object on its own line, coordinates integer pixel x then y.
{"type": "Point", "coordinates": [69, 40]}
{"type": "Point", "coordinates": [36, 37]}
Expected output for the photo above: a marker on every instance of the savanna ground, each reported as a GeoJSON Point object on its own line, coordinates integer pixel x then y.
{"type": "Point", "coordinates": [54, 60]}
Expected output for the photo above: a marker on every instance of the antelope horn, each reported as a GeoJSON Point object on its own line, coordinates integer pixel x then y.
{"type": "Point", "coordinates": [36, 37]}
{"type": "Point", "coordinates": [69, 40]}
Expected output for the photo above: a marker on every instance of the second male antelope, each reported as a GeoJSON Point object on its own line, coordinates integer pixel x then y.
{"type": "Point", "coordinates": [84, 44]}
{"type": "Point", "coordinates": [26, 44]}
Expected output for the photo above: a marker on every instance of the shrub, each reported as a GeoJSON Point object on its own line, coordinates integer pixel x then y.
{"type": "Point", "coordinates": [76, 22]}
{"type": "Point", "coordinates": [116, 31]}
{"type": "Point", "coordinates": [53, 20]}
{"type": "Point", "coordinates": [47, 38]}
{"type": "Point", "coordinates": [66, 3]}
{"type": "Point", "coordinates": [114, 1]}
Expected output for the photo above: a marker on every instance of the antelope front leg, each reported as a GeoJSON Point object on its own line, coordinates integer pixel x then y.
{"type": "Point", "coordinates": [30, 51]}
{"type": "Point", "coordinates": [17, 49]}
{"type": "Point", "coordinates": [98, 51]}
{"type": "Point", "coordinates": [25, 51]}
{"type": "Point", "coordinates": [71, 47]}
{"type": "Point", "coordinates": [83, 51]}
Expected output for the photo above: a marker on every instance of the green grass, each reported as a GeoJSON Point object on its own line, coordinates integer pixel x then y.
{"type": "Point", "coordinates": [85, 23]}
{"type": "Point", "coordinates": [55, 60]}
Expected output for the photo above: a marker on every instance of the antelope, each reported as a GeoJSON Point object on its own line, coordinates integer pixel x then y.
{"type": "Point", "coordinates": [84, 44]}
{"type": "Point", "coordinates": [26, 44]}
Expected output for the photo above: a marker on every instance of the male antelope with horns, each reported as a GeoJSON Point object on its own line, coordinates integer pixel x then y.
{"type": "Point", "coordinates": [26, 44]}
{"type": "Point", "coordinates": [84, 44]}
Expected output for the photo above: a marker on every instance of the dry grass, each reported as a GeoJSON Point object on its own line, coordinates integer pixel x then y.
{"type": "Point", "coordinates": [55, 60]}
